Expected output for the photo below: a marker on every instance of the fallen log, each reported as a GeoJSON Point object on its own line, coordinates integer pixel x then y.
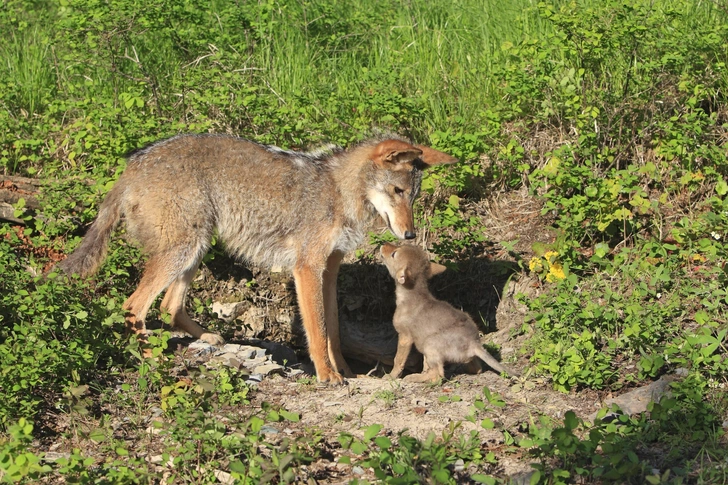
{"type": "Point", "coordinates": [12, 189]}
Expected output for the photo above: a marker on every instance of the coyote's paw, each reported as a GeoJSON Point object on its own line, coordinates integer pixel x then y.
{"type": "Point", "coordinates": [212, 338]}
{"type": "Point", "coordinates": [331, 377]}
{"type": "Point", "coordinates": [422, 378]}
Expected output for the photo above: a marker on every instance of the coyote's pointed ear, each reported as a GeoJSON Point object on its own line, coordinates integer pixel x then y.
{"type": "Point", "coordinates": [392, 154]}
{"type": "Point", "coordinates": [431, 157]}
{"type": "Point", "coordinates": [403, 276]}
{"type": "Point", "coordinates": [436, 268]}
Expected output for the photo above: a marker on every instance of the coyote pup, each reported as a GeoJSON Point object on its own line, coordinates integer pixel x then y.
{"type": "Point", "coordinates": [439, 331]}
{"type": "Point", "coordinates": [301, 211]}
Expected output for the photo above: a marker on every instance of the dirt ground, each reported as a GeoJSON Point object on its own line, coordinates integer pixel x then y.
{"type": "Point", "coordinates": [484, 284]}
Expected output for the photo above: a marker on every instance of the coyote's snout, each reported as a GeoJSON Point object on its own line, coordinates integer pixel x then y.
{"type": "Point", "coordinates": [302, 211]}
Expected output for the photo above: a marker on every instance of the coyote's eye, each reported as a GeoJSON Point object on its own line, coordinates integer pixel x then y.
{"type": "Point", "coordinates": [394, 252]}
{"type": "Point", "coordinates": [398, 191]}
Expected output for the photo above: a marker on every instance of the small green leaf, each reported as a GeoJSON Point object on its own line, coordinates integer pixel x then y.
{"type": "Point", "coordinates": [372, 431]}
{"type": "Point", "coordinates": [535, 478]}
{"type": "Point", "coordinates": [294, 417]}
{"type": "Point", "coordinates": [570, 420]}
{"type": "Point", "coordinates": [383, 442]}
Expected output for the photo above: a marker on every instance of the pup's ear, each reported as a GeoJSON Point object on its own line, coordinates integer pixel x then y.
{"type": "Point", "coordinates": [431, 157]}
{"type": "Point", "coordinates": [403, 276]}
{"type": "Point", "coordinates": [436, 268]}
{"type": "Point", "coordinates": [394, 154]}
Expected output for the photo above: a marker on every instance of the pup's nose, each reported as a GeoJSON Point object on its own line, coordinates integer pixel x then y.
{"type": "Point", "coordinates": [409, 235]}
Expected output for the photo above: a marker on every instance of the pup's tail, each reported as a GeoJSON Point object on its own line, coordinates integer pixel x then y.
{"type": "Point", "coordinates": [492, 363]}
{"type": "Point", "coordinates": [89, 255]}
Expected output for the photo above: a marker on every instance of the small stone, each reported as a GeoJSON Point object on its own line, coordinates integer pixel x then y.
{"type": "Point", "coordinates": [295, 372]}
{"type": "Point", "coordinates": [155, 459]}
{"type": "Point", "coordinates": [357, 470]}
{"type": "Point", "coordinates": [229, 360]}
{"type": "Point", "coordinates": [53, 456]}
{"type": "Point", "coordinates": [267, 429]}
{"type": "Point", "coordinates": [230, 348]}
{"type": "Point", "coordinates": [247, 352]}
{"type": "Point", "coordinates": [227, 311]}
{"type": "Point", "coordinates": [253, 363]}
{"type": "Point", "coordinates": [269, 369]}
{"type": "Point", "coordinates": [459, 465]}
{"type": "Point", "coordinates": [156, 411]}
{"type": "Point", "coordinates": [224, 477]}
{"type": "Point", "coordinates": [254, 379]}
{"type": "Point", "coordinates": [200, 347]}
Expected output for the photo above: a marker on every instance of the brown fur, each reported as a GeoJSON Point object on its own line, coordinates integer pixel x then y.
{"type": "Point", "coordinates": [302, 211]}
{"type": "Point", "coordinates": [442, 333]}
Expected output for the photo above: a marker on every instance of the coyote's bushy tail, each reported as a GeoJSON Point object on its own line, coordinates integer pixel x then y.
{"type": "Point", "coordinates": [89, 255]}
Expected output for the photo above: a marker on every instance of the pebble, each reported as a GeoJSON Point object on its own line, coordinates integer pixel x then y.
{"type": "Point", "coordinates": [267, 429]}
{"type": "Point", "coordinates": [261, 359]}
{"type": "Point", "coordinates": [269, 369]}
{"type": "Point", "coordinates": [52, 456]}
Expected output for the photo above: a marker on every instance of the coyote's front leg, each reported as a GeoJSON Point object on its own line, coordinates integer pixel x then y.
{"type": "Point", "coordinates": [331, 314]}
{"type": "Point", "coordinates": [310, 292]}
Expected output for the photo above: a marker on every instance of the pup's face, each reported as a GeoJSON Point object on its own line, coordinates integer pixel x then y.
{"type": "Point", "coordinates": [406, 263]}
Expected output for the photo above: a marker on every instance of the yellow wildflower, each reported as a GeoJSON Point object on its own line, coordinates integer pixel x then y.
{"type": "Point", "coordinates": [556, 272]}
{"type": "Point", "coordinates": [535, 265]}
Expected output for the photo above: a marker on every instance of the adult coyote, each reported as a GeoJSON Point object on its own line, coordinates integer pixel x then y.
{"type": "Point", "coordinates": [302, 211]}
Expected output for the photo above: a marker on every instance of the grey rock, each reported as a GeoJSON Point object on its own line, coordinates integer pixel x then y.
{"type": "Point", "coordinates": [269, 369]}
{"type": "Point", "coordinates": [200, 347]}
{"type": "Point", "coordinates": [230, 349]}
{"type": "Point", "coordinates": [523, 478]}
{"type": "Point", "coordinates": [253, 363]}
{"type": "Point", "coordinates": [254, 379]}
{"type": "Point", "coordinates": [53, 456]}
{"type": "Point", "coordinates": [636, 401]}
{"type": "Point", "coordinates": [228, 359]}
{"type": "Point", "coordinates": [228, 311]}
{"type": "Point", "coordinates": [267, 429]}
{"type": "Point", "coordinates": [224, 477]}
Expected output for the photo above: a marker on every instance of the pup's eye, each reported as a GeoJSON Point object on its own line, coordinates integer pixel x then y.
{"type": "Point", "coordinates": [398, 191]}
